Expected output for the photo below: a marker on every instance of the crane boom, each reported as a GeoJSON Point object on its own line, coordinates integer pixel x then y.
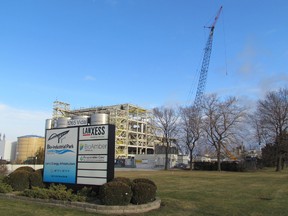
{"type": "Point", "coordinates": [205, 63]}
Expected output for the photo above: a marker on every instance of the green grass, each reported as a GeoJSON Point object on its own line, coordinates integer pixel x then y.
{"type": "Point", "coordinates": [195, 193]}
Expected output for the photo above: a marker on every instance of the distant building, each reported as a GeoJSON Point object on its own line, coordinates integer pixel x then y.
{"type": "Point", "coordinates": [2, 147]}
{"type": "Point", "coordinates": [7, 149]}
{"type": "Point", "coordinates": [27, 146]}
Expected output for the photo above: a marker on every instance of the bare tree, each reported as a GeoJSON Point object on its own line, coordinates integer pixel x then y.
{"type": "Point", "coordinates": [271, 117]}
{"type": "Point", "coordinates": [191, 123]}
{"type": "Point", "coordinates": [221, 123]}
{"type": "Point", "coordinates": [165, 119]}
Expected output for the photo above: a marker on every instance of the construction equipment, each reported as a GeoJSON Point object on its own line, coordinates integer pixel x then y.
{"type": "Point", "coordinates": [228, 153]}
{"type": "Point", "coordinates": [205, 63]}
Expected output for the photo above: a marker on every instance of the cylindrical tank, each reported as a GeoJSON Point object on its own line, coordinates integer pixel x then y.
{"type": "Point", "coordinates": [99, 118]}
{"type": "Point", "coordinates": [79, 117]}
{"type": "Point", "coordinates": [78, 120]}
{"type": "Point", "coordinates": [48, 124]}
{"type": "Point", "coordinates": [62, 122]}
{"type": "Point", "coordinates": [27, 147]}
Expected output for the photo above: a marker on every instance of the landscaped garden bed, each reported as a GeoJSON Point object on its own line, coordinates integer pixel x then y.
{"type": "Point", "coordinates": [119, 196]}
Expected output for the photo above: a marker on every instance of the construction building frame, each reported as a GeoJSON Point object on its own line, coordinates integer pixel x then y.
{"type": "Point", "coordinates": [134, 133]}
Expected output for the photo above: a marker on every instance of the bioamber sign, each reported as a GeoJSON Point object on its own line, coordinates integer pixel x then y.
{"type": "Point", "coordinates": [80, 155]}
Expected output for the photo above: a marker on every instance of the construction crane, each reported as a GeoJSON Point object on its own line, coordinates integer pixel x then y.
{"type": "Point", "coordinates": [228, 153]}
{"type": "Point", "coordinates": [205, 63]}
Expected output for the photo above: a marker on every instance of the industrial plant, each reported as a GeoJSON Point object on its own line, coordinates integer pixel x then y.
{"type": "Point", "coordinates": [134, 132]}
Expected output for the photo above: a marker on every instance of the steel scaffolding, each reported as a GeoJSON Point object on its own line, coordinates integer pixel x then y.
{"type": "Point", "coordinates": [134, 132]}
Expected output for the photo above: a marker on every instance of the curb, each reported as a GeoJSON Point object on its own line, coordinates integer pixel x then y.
{"type": "Point", "coordinates": [89, 207]}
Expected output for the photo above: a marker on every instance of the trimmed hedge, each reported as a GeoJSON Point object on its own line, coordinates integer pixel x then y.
{"type": "Point", "coordinates": [19, 180]}
{"type": "Point", "coordinates": [143, 193]}
{"type": "Point", "coordinates": [25, 168]}
{"type": "Point", "coordinates": [144, 180]}
{"type": "Point", "coordinates": [124, 180]}
{"type": "Point", "coordinates": [122, 191]}
{"type": "Point", "coordinates": [24, 178]}
{"type": "Point", "coordinates": [40, 172]}
{"type": "Point", "coordinates": [35, 180]}
{"type": "Point", "coordinates": [115, 193]}
{"type": "Point", "coordinates": [225, 166]}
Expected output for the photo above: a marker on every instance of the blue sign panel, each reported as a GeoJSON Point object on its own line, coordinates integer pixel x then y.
{"type": "Point", "coordinates": [61, 155]}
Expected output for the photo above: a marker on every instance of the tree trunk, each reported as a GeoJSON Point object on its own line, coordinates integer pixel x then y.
{"type": "Point", "coordinates": [191, 159]}
{"type": "Point", "coordinates": [282, 163]}
{"type": "Point", "coordinates": [218, 156]}
{"type": "Point", "coordinates": [218, 161]}
{"type": "Point", "coordinates": [166, 156]}
{"type": "Point", "coordinates": [279, 161]}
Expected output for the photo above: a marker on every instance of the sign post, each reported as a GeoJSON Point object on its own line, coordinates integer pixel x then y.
{"type": "Point", "coordinates": [81, 155]}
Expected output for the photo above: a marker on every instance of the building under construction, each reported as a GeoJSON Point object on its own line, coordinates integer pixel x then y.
{"type": "Point", "coordinates": [134, 131]}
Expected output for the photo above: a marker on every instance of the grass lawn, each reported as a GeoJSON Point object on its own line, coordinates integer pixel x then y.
{"type": "Point", "coordinates": [182, 193]}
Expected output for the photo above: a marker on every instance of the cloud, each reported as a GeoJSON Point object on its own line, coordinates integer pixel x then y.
{"type": "Point", "coordinates": [89, 78]}
{"type": "Point", "coordinates": [17, 122]}
{"type": "Point", "coordinates": [247, 61]}
{"type": "Point", "coordinates": [271, 83]}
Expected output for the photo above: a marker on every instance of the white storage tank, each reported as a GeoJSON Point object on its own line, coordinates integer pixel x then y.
{"type": "Point", "coordinates": [78, 120]}
{"type": "Point", "coordinates": [48, 124]}
{"type": "Point", "coordinates": [80, 117]}
{"type": "Point", "coordinates": [62, 122]}
{"type": "Point", "coordinates": [99, 118]}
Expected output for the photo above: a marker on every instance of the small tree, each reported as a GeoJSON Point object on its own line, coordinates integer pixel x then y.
{"type": "Point", "coordinates": [268, 155]}
{"type": "Point", "coordinates": [221, 123]}
{"type": "Point", "coordinates": [191, 123]}
{"type": "Point", "coordinates": [271, 121]}
{"type": "Point", "coordinates": [39, 156]}
{"type": "Point", "coordinates": [165, 119]}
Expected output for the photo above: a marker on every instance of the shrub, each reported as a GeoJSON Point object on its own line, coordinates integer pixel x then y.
{"type": "Point", "coordinates": [19, 180]}
{"type": "Point", "coordinates": [86, 192]}
{"type": "Point", "coordinates": [35, 180]}
{"type": "Point", "coordinates": [36, 192]}
{"type": "Point", "coordinates": [115, 193]}
{"type": "Point", "coordinates": [3, 169]}
{"type": "Point", "coordinates": [143, 192]}
{"type": "Point", "coordinates": [39, 171]}
{"type": "Point", "coordinates": [60, 192]}
{"type": "Point", "coordinates": [5, 188]}
{"type": "Point", "coordinates": [124, 180]}
{"type": "Point", "coordinates": [5, 180]}
{"type": "Point", "coordinates": [25, 168]}
{"type": "Point", "coordinates": [144, 180]}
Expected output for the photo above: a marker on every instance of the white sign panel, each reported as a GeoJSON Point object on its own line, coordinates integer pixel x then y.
{"type": "Point", "coordinates": [93, 132]}
{"type": "Point", "coordinates": [91, 181]}
{"type": "Point", "coordinates": [93, 147]}
{"type": "Point", "coordinates": [92, 158]}
{"type": "Point", "coordinates": [92, 166]}
{"type": "Point", "coordinates": [92, 173]}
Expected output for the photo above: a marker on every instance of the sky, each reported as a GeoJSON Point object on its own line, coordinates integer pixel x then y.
{"type": "Point", "coordinates": [144, 52]}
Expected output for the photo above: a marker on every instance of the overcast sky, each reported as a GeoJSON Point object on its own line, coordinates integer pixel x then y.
{"type": "Point", "coordinates": [145, 52]}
